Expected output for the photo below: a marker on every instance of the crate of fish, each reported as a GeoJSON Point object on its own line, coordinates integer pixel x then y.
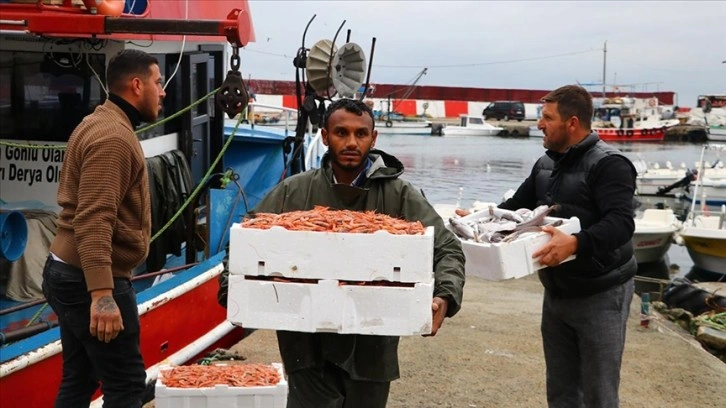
{"type": "Point", "coordinates": [332, 244]}
{"type": "Point", "coordinates": [331, 306]}
{"type": "Point", "coordinates": [221, 386]}
{"type": "Point", "coordinates": [498, 244]}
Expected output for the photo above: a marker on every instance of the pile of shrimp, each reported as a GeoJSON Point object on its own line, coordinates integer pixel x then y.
{"type": "Point", "coordinates": [238, 375]}
{"type": "Point", "coordinates": [324, 219]}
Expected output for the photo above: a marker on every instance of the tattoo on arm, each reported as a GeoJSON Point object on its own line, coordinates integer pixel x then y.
{"type": "Point", "coordinates": [106, 304]}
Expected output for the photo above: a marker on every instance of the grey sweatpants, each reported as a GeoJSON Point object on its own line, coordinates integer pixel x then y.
{"type": "Point", "coordinates": [583, 342]}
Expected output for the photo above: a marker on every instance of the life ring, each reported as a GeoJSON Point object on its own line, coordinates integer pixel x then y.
{"type": "Point", "coordinates": [652, 102]}
{"type": "Point", "coordinates": [629, 133]}
{"type": "Point", "coordinates": [389, 124]}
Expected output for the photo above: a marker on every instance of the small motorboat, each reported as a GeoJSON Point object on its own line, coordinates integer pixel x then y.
{"type": "Point", "coordinates": [654, 234]}
{"type": "Point", "coordinates": [472, 126]}
{"type": "Point", "coordinates": [704, 230]}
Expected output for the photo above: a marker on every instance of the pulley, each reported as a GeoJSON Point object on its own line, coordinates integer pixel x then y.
{"type": "Point", "coordinates": [232, 97]}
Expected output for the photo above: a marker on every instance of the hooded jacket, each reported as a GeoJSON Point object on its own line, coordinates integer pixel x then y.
{"type": "Point", "coordinates": [365, 357]}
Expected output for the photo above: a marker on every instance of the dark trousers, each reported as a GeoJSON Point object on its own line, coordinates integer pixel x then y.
{"type": "Point", "coordinates": [118, 365]}
{"type": "Point", "coordinates": [583, 342]}
{"type": "Point", "coordinates": [331, 387]}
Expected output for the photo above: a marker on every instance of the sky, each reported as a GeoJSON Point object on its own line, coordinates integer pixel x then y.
{"type": "Point", "coordinates": [651, 45]}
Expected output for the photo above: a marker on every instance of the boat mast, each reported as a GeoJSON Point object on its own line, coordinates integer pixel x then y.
{"type": "Point", "coordinates": [604, 64]}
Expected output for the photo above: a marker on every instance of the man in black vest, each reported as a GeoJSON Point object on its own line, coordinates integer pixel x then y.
{"type": "Point", "coordinates": [587, 300]}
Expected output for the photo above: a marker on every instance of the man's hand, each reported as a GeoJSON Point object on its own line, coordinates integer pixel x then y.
{"type": "Point", "coordinates": [559, 248]}
{"type": "Point", "coordinates": [438, 307]}
{"type": "Point", "coordinates": [106, 321]}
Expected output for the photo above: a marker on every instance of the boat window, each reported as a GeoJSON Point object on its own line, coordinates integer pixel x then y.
{"type": "Point", "coordinates": [44, 96]}
{"type": "Point", "coordinates": [475, 121]}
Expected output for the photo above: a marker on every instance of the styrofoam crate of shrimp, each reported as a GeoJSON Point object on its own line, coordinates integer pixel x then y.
{"type": "Point", "coordinates": [507, 260]}
{"type": "Point", "coordinates": [330, 306]}
{"type": "Point", "coordinates": [331, 255]}
{"type": "Point", "coordinates": [221, 396]}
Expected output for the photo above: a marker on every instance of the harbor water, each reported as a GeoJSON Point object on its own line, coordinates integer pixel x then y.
{"type": "Point", "coordinates": [466, 169]}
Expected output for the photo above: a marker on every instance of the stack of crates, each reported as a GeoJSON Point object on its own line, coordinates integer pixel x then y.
{"type": "Point", "coordinates": [346, 283]}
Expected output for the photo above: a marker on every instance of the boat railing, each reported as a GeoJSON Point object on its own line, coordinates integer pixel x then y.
{"type": "Point", "coordinates": [288, 116]}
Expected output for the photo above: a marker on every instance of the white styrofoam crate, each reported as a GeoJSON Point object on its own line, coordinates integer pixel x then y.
{"type": "Point", "coordinates": [506, 260]}
{"type": "Point", "coordinates": [222, 396]}
{"type": "Point", "coordinates": [327, 306]}
{"type": "Point", "coordinates": [331, 255]}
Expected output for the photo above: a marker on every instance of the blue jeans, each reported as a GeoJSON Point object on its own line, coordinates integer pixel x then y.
{"type": "Point", "coordinates": [583, 342]}
{"type": "Point", "coordinates": [118, 365]}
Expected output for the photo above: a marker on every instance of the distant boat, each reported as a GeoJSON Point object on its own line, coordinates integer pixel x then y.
{"type": "Point", "coordinates": [630, 120]}
{"type": "Point", "coordinates": [471, 125]}
{"type": "Point", "coordinates": [403, 127]}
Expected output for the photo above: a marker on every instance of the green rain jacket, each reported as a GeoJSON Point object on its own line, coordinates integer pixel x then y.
{"type": "Point", "coordinates": [365, 357]}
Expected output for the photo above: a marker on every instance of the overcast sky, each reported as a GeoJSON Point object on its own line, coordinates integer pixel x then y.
{"type": "Point", "coordinates": [652, 45]}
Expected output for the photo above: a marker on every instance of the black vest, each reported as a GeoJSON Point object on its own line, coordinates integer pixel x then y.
{"type": "Point", "coordinates": [567, 182]}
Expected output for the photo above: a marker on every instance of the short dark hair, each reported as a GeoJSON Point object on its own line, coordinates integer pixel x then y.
{"type": "Point", "coordinates": [128, 63]}
{"type": "Point", "coordinates": [572, 100]}
{"type": "Point", "coordinates": [350, 105]}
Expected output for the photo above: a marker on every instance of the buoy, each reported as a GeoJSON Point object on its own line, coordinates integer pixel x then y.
{"type": "Point", "coordinates": [112, 8]}
{"type": "Point", "coordinates": [13, 235]}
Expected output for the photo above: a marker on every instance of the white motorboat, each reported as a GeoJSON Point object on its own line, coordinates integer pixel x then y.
{"type": "Point", "coordinates": [657, 180]}
{"type": "Point", "coordinates": [470, 125]}
{"type": "Point", "coordinates": [704, 230]}
{"type": "Point", "coordinates": [704, 235]}
{"type": "Point", "coordinates": [402, 127]}
{"type": "Point", "coordinates": [654, 234]}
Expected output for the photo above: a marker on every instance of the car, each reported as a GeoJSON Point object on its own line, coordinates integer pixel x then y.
{"type": "Point", "coordinates": [504, 110]}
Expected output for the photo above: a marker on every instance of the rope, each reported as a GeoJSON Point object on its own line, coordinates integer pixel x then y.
{"type": "Point", "coordinates": [201, 183]}
{"type": "Point", "coordinates": [37, 314]}
{"type": "Point", "coordinates": [138, 131]}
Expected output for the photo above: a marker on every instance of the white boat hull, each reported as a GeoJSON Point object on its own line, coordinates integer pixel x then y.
{"type": "Point", "coordinates": [651, 247]}
{"type": "Point", "coordinates": [465, 131]}
{"type": "Point", "coordinates": [404, 128]}
{"type": "Point", "coordinates": [654, 234]}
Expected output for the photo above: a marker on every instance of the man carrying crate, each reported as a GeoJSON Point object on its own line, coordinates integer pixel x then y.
{"type": "Point", "coordinates": [354, 370]}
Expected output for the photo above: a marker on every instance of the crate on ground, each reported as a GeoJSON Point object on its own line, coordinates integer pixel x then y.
{"type": "Point", "coordinates": [330, 306]}
{"type": "Point", "coordinates": [507, 260]}
{"type": "Point", "coordinates": [331, 255]}
{"type": "Point", "coordinates": [222, 396]}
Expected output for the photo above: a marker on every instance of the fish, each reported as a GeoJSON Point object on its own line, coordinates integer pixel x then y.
{"type": "Point", "coordinates": [461, 229]}
{"type": "Point", "coordinates": [533, 228]}
{"type": "Point", "coordinates": [506, 214]}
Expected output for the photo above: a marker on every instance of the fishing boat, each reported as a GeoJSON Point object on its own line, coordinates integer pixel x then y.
{"type": "Point", "coordinates": [470, 125]}
{"type": "Point", "coordinates": [230, 166]}
{"type": "Point", "coordinates": [653, 235]}
{"type": "Point", "coordinates": [704, 231]}
{"type": "Point", "coordinates": [625, 119]}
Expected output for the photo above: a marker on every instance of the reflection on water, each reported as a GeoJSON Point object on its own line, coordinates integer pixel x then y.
{"type": "Point", "coordinates": [467, 169]}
